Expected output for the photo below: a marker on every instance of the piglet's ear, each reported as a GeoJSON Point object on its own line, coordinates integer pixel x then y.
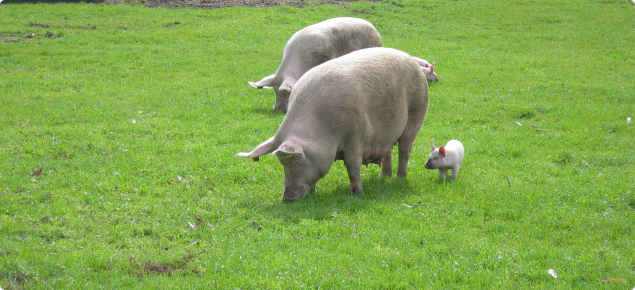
{"type": "Point", "coordinates": [432, 145]}
{"type": "Point", "coordinates": [442, 150]}
{"type": "Point", "coordinates": [432, 67]}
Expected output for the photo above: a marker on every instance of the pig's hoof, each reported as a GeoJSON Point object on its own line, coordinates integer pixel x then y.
{"type": "Point", "coordinates": [290, 200]}
{"type": "Point", "coordinates": [356, 192]}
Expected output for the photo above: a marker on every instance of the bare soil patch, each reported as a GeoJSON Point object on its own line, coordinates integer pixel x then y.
{"type": "Point", "coordinates": [211, 4]}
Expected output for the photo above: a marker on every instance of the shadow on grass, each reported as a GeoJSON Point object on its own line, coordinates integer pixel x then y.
{"type": "Point", "coordinates": [265, 111]}
{"type": "Point", "coordinates": [321, 204]}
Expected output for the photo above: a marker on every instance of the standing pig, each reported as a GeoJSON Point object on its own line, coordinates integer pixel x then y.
{"type": "Point", "coordinates": [314, 45]}
{"type": "Point", "coordinates": [353, 108]}
{"type": "Point", "coordinates": [428, 69]}
{"type": "Point", "coordinates": [446, 157]}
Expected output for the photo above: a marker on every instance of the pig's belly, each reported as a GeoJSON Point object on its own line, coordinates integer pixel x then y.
{"type": "Point", "coordinates": [375, 155]}
{"type": "Point", "coordinates": [370, 154]}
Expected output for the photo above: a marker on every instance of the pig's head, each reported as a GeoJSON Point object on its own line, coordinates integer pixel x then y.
{"type": "Point", "coordinates": [428, 71]}
{"type": "Point", "coordinates": [282, 88]}
{"type": "Point", "coordinates": [437, 157]}
{"type": "Point", "coordinates": [427, 68]}
{"type": "Point", "coordinates": [301, 173]}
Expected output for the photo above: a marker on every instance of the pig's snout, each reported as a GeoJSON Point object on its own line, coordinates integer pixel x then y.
{"type": "Point", "coordinates": [293, 194]}
{"type": "Point", "coordinates": [281, 104]}
{"type": "Point", "coordinates": [278, 107]}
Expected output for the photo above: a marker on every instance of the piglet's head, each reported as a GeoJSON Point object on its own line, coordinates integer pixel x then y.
{"type": "Point", "coordinates": [437, 157]}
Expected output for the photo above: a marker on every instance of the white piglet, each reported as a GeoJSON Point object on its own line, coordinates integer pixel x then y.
{"type": "Point", "coordinates": [446, 157]}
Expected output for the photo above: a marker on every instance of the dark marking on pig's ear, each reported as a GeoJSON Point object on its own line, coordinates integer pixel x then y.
{"type": "Point", "coordinates": [442, 150]}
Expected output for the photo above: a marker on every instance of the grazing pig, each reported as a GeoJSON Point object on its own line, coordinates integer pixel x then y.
{"type": "Point", "coordinates": [446, 157]}
{"type": "Point", "coordinates": [428, 69]}
{"type": "Point", "coordinates": [353, 108]}
{"type": "Point", "coordinates": [314, 45]}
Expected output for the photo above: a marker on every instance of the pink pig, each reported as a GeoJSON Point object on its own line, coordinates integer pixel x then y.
{"type": "Point", "coordinates": [353, 108]}
{"type": "Point", "coordinates": [428, 69]}
{"type": "Point", "coordinates": [446, 157]}
{"type": "Point", "coordinates": [314, 45]}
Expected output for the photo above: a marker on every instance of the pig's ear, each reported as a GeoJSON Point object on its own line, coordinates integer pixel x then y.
{"type": "Point", "coordinates": [442, 150]}
{"type": "Point", "coordinates": [264, 82]}
{"type": "Point", "coordinates": [289, 149]}
{"type": "Point", "coordinates": [432, 67]}
{"type": "Point", "coordinates": [420, 62]}
{"type": "Point", "coordinates": [262, 149]}
{"type": "Point", "coordinates": [287, 85]}
{"type": "Point", "coordinates": [432, 145]}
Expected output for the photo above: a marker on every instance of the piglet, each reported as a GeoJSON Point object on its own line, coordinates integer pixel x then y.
{"type": "Point", "coordinates": [446, 157]}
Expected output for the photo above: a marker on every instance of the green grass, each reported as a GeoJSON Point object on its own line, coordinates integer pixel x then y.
{"type": "Point", "coordinates": [114, 200]}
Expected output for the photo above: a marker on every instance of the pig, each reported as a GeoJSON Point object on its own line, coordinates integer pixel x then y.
{"type": "Point", "coordinates": [314, 45]}
{"type": "Point", "coordinates": [428, 69]}
{"type": "Point", "coordinates": [353, 108]}
{"type": "Point", "coordinates": [446, 157]}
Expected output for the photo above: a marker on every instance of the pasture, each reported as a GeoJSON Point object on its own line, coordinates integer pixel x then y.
{"type": "Point", "coordinates": [120, 124]}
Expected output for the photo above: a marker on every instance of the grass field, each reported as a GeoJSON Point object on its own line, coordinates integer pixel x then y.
{"type": "Point", "coordinates": [119, 127]}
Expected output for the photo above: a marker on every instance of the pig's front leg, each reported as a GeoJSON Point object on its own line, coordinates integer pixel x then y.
{"type": "Point", "coordinates": [443, 173]}
{"type": "Point", "coordinates": [353, 163]}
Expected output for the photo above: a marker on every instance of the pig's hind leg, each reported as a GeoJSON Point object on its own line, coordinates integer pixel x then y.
{"type": "Point", "coordinates": [407, 138]}
{"type": "Point", "coordinates": [386, 165]}
{"type": "Point", "coordinates": [405, 147]}
{"type": "Point", "coordinates": [455, 172]}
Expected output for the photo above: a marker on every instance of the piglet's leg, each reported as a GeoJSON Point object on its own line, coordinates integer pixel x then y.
{"type": "Point", "coordinates": [443, 173]}
{"type": "Point", "coordinates": [353, 163]}
{"type": "Point", "coordinates": [386, 166]}
{"type": "Point", "coordinates": [455, 172]}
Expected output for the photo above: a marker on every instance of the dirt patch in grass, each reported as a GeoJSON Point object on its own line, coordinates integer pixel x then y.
{"type": "Point", "coordinates": [13, 38]}
{"type": "Point", "coordinates": [201, 4]}
{"type": "Point", "coordinates": [160, 268]}
{"type": "Point", "coordinates": [210, 4]}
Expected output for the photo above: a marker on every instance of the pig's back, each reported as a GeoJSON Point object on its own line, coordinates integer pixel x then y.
{"type": "Point", "coordinates": [329, 39]}
{"type": "Point", "coordinates": [369, 92]}
{"type": "Point", "coordinates": [456, 146]}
